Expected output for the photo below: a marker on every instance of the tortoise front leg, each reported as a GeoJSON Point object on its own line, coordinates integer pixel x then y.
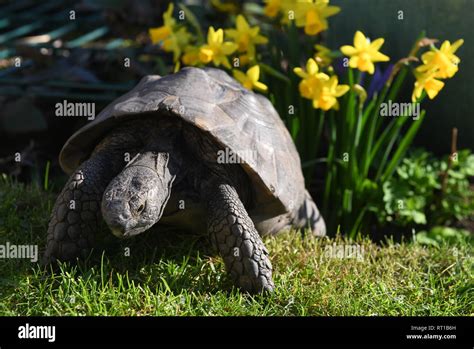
{"type": "Point", "coordinates": [76, 213]}
{"type": "Point", "coordinates": [234, 234]}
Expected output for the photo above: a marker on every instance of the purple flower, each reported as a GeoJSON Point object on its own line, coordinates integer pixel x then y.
{"type": "Point", "coordinates": [339, 67]}
{"type": "Point", "coordinates": [378, 81]}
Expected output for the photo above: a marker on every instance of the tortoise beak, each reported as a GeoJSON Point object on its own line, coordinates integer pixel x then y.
{"type": "Point", "coordinates": [126, 230]}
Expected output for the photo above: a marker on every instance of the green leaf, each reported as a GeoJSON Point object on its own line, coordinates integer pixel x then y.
{"type": "Point", "coordinates": [403, 146]}
{"type": "Point", "coordinates": [423, 239]}
{"type": "Point", "coordinates": [273, 72]}
{"type": "Point", "coordinates": [347, 200]}
{"type": "Point", "coordinates": [418, 217]}
{"type": "Point", "coordinates": [295, 127]}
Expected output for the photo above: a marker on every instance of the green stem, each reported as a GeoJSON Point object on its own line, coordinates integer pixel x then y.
{"type": "Point", "coordinates": [329, 172]}
{"type": "Point", "coordinates": [403, 146]}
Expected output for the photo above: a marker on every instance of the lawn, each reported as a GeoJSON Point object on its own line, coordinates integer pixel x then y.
{"type": "Point", "coordinates": [177, 274]}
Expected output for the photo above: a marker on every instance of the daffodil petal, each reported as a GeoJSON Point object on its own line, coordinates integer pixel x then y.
{"type": "Point", "coordinates": [433, 87]}
{"type": "Point", "coordinates": [254, 73]}
{"type": "Point", "coordinates": [312, 67]}
{"type": "Point", "coordinates": [225, 62]}
{"type": "Point", "coordinates": [445, 46]}
{"type": "Point", "coordinates": [260, 86]}
{"type": "Point", "coordinates": [242, 23]}
{"type": "Point", "coordinates": [417, 91]}
{"type": "Point", "coordinates": [231, 33]}
{"type": "Point", "coordinates": [206, 54]}
{"type": "Point", "coordinates": [210, 35]}
{"type": "Point", "coordinates": [354, 62]}
{"type": "Point", "coordinates": [348, 50]}
{"type": "Point", "coordinates": [371, 68]}
{"type": "Point", "coordinates": [427, 56]}
{"type": "Point", "coordinates": [219, 36]}
{"type": "Point", "coordinates": [159, 34]}
{"type": "Point", "coordinates": [254, 31]}
{"type": "Point", "coordinates": [379, 57]}
{"type": "Point", "coordinates": [239, 75]}
{"type": "Point", "coordinates": [330, 11]}
{"type": "Point", "coordinates": [322, 77]}
{"type": "Point", "coordinates": [360, 40]}
{"type": "Point", "coordinates": [456, 45]}
{"type": "Point", "coordinates": [341, 90]}
{"type": "Point", "coordinates": [228, 48]}
{"type": "Point", "coordinates": [300, 72]}
{"type": "Point", "coordinates": [260, 39]}
{"type": "Point", "coordinates": [377, 44]}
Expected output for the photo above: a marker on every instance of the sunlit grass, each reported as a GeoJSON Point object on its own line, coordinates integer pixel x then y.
{"type": "Point", "coordinates": [178, 274]}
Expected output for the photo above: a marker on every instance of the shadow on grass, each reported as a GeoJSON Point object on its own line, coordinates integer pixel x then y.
{"type": "Point", "coordinates": [164, 260]}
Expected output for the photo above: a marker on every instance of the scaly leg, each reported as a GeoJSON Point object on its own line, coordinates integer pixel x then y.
{"type": "Point", "coordinates": [76, 214]}
{"type": "Point", "coordinates": [235, 236]}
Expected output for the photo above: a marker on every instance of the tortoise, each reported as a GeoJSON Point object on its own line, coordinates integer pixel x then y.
{"type": "Point", "coordinates": [192, 150]}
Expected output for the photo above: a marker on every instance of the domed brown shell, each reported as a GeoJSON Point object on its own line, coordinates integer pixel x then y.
{"type": "Point", "coordinates": [215, 103]}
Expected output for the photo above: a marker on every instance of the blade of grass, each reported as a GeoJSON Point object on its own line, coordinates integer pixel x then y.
{"type": "Point", "coordinates": [46, 176]}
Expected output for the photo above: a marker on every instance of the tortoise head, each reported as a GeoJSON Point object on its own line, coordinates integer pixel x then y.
{"type": "Point", "coordinates": [135, 199]}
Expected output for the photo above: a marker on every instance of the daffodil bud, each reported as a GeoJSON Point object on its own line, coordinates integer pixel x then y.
{"type": "Point", "coordinates": [361, 93]}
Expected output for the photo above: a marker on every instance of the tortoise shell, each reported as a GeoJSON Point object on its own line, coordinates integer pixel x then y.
{"type": "Point", "coordinates": [215, 103]}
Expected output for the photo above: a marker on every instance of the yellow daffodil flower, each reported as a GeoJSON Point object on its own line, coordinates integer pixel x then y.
{"type": "Point", "coordinates": [312, 15]}
{"type": "Point", "coordinates": [272, 8]}
{"type": "Point", "coordinates": [361, 92]}
{"type": "Point", "coordinates": [427, 82]}
{"type": "Point", "coordinates": [312, 70]}
{"type": "Point", "coordinates": [319, 87]}
{"type": "Point", "coordinates": [443, 61]}
{"type": "Point", "coordinates": [250, 79]}
{"type": "Point", "coordinates": [191, 56]}
{"type": "Point", "coordinates": [364, 53]}
{"type": "Point", "coordinates": [216, 50]}
{"type": "Point", "coordinates": [161, 33]}
{"type": "Point", "coordinates": [246, 37]}
{"type": "Point", "coordinates": [173, 39]}
{"type": "Point", "coordinates": [311, 79]}
{"type": "Point", "coordinates": [176, 43]}
{"type": "Point", "coordinates": [244, 59]}
{"type": "Point", "coordinates": [322, 56]}
{"type": "Point", "coordinates": [327, 96]}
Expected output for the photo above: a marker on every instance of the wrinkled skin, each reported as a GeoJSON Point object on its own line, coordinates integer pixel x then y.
{"type": "Point", "coordinates": [171, 160]}
{"type": "Point", "coordinates": [135, 199]}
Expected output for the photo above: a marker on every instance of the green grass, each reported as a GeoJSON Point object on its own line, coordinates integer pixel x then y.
{"type": "Point", "coordinates": [178, 274]}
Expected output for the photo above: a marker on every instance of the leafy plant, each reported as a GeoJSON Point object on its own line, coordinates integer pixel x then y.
{"type": "Point", "coordinates": [439, 235]}
{"type": "Point", "coordinates": [415, 194]}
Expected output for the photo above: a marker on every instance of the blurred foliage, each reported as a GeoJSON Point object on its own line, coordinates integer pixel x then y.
{"type": "Point", "coordinates": [440, 235]}
{"type": "Point", "coordinates": [415, 194]}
